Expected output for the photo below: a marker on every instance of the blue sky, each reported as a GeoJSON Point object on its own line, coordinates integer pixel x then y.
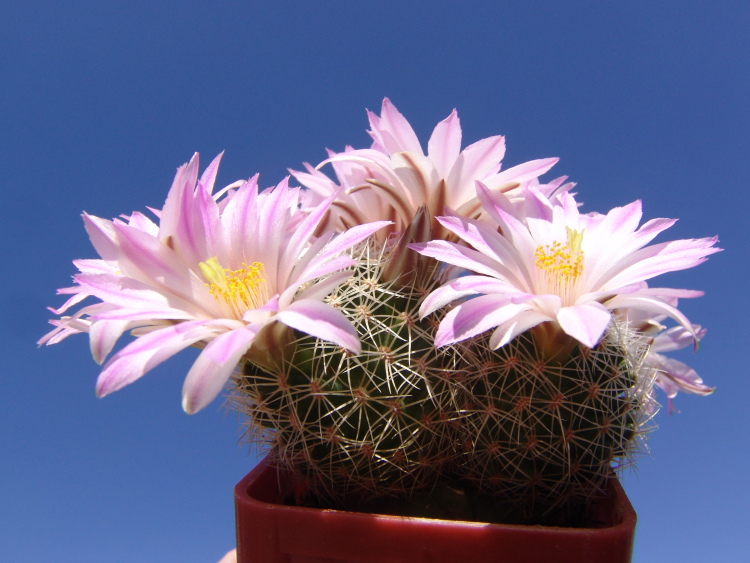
{"type": "Point", "coordinates": [101, 101]}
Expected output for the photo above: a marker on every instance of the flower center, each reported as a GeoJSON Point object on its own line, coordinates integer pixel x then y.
{"type": "Point", "coordinates": [561, 264]}
{"type": "Point", "coordinates": [241, 290]}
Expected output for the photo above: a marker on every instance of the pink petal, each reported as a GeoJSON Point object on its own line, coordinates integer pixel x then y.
{"type": "Point", "coordinates": [183, 184]}
{"type": "Point", "coordinates": [492, 245]}
{"type": "Point", "coordinates": [319, 270]}
{"type": "Point", "coordinates": [133, 294]}
{"type": "Point", "coordinates": [341, 243]}
{"type": "Point", "coordinates": [676, 338]}
{"type": "Point", "coordinates": [102, 235]}
{"type": "Point", "coordinates": [474, 163]}
{"type": "Point", "coordinates": [103, 335]}
{"type": "Point", "coordinates": [148, 258]}
{"type": "Point", "coordinates": [214, 366]}
{"type": "Point", "coordinates": [674, 376]}
{"type": "Point", "coordinates": [460, 288]}
{"type": "Point", "coordinates": [519, 324]}
{"type": "Point", "coordinates": [239, 222]}
{"type": "Point", "coordinates": [521, 173]}
{"type": "Point", "coordinates": [474, 317]}
{"type": "Point", "coordinates": [661, 258]}
{"type": "Point", "coordinates": [140, 314]}
{"type": "Point", "coordinates": [419, 176]}
{"type": "Point", "coordinates": [444, 145]}
{"type": "Point", "coordinates": [318, 291]}
{"type": "Point", "coordinates": [500, 208]}
{"type": "Point", "coordinates": [394, 130]}
{"type": "Point", "coordinates": [148, 351]}
{"type": "Point", "coordinates": [586, 323]}
{"type": "Point", "coordinates": [78, 296]}
{"type": "Point", "coordinates": [652, 305]}
{"type": "Point", "coordinates": [143, 223]}
{"type": "Point", "coordinates": [322, 321]}
{"type": "Point", "coordinates": [209, 174]}
{"type": "Point", "coordinates": [460, 256]}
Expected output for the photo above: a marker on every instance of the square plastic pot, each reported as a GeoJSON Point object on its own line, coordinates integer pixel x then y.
{"type": "Point", "coordinates": [269, 531]}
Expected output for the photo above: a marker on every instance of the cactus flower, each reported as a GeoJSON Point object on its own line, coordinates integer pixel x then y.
{"type": "Point", "coordinates": [317, 304]}
{"type": "Point", "coordinates": [555, 264]}
{"type": "Point", "coordinates": [395, 178]}
{"type": "Point", "coordinates": [213, 273]}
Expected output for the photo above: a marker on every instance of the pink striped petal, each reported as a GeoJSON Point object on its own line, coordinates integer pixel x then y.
{"type": "Point", "coordinates": [214, 366]}
{"type": "Point", "coordinates": [458, 289]}
{"type": "Point", "coordinates": [521, 173]}
{"type": "Point", "coordinates": [341, 243]}
{"type": "Point", "coordinates": [322, 321]}
{"type": "Point", "coordinates": [474, 317]}
{"type": "Point", "coordinates": [102, 235]}
{"type": "Point", "coordinates": [103, 335]}
{"type": "Point", "coordinates": [444, 145]}
{"type": "Point", "coordinates": [394, 130]}
{"type": "Point", "coordinates": [519, 324]}
{"type": "Point", "coordinates": [133, 294]}
{"type": "Point", "coordinates": [662, 258]}
{"type": "Point", "coordinates": [652, 305]}
{"type": "Point", "coordinates": [239, 223]}
{"type": "Point", "coordinates": [460, 256]}
{"type": "Point", "coordinates": [183, 183]}
{"type": "Point", "coordinates": [148, 351]}
{"type": "Point", "coordinates": [475, 162]}
{"type": "Point", "coordinates": [208, 178]}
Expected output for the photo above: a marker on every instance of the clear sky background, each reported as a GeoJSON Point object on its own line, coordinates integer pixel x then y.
{"type": "Point", "coordinates": [101, 101]}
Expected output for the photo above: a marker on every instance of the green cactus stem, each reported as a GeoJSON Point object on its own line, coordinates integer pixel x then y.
{"type": "Point", "coordinates": [542, 433]}
{"type": "Point", "coordinates": [357, 427]}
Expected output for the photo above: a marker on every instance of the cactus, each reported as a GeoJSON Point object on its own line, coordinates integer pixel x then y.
{"type": "Point", "coordinates": [535, 431]}
{"type": "Point", "coordinates": [543, 432]}
{"type": "Point", "coordinates": [390, 385]}
{"type": "Point", "coordinates": [358, 427]}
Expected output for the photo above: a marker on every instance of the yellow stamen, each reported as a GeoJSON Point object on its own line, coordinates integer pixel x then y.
{"type": "Point", "coordinates": [561, 263]}
{"type": "Point", "coordinates": [241, 290]}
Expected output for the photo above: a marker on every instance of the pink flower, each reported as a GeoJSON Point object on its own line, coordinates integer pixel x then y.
{"type": "Point", "coordinates": [395, 177]}
{"type": "Point", "coordinates": [555, 265]}
{"type": "Point", "coordinates": [212, 273]}
{"type": "Point", "coordinates": [672, 376]}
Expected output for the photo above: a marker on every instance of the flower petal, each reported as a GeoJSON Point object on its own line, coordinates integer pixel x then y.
{"type": "Point", "coordinates": [474, 317]}
{"type": "Point", "coordinates": [586, 323]}
{"type": "Point", "coordinates": [214, 366]}
{"type": "Point", "coordinates": [393, 131]}
{"type": "Point", "coordinates": [148, 351]}
{"type": "Point", "coordinates": [322, 321]}
{"type": "Point", "coordinates": [519, 324]}
{"type": "Point", "coordinates": [444, 145]}
{"type": "Point", "coordinates": [521, 173]}
{"type": "Point", "coordinates": [662, 258]}
{"type": "Point", "coordinates": [103, 335]}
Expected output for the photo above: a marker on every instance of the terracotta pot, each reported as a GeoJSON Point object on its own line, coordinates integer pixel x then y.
{"type": "Point", "coordinates": [269, 531]}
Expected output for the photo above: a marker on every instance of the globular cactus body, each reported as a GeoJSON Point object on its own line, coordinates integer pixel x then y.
{"type": "Point", "coordinates": [541, 434]}
{"type": "Point", "coordinates": [357, 427]}
{"type": "Point", "coordinates": [537, 435]}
